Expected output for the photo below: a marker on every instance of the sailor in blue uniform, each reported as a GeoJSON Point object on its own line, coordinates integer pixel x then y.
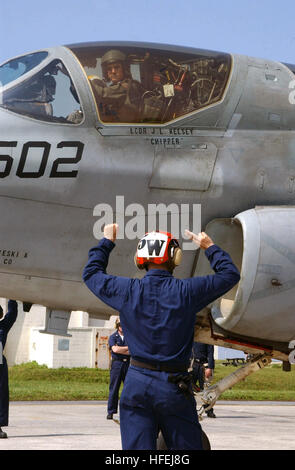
{"type": "Point", "coordinates": [5, 325]}
{"type": "Point", "coordinates": [203, 365]}
{"type": "Point", "coordinates": [119, 367]}
{"type": "Point", "coordinates": [158, 314]}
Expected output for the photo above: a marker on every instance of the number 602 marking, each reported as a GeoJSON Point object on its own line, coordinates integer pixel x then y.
{"type": "Point", "coordinates": [45, 151]}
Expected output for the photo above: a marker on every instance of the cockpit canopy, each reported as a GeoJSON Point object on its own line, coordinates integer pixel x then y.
{"type": "Point", "coordinates": [155, 85]}
{"type": "Point", "coordinates": [130, 83]}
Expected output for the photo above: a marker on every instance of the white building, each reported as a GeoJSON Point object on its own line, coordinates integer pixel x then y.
{"type": "Point", "coordinates": [86, 347]}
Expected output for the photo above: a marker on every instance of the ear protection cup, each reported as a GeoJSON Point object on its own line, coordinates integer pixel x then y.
{"type": "Point", "coordinates": [177, 256]}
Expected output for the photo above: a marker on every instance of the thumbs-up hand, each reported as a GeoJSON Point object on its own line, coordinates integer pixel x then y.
{"type": "Point", "coordinates": [110, 231]}
{"type": "Point", "coordinates": [201, 239]}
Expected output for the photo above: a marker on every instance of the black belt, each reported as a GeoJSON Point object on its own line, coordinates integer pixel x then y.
{"type": "Point", "coordinates": [161, 367]}
{"type": "Point", "coordinates": [198, 361]}
{"type": "Point", "coordinates": [121, 360]}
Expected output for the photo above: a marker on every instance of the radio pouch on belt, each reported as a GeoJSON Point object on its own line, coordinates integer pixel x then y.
{"type": "Point", "coordinates": [184, 382]}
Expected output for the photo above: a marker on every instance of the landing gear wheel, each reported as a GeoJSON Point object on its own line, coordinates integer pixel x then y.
{"type": "Point", "coordinates": [205, 441]}
{"type": "Point", "coordinates": [161, 445]}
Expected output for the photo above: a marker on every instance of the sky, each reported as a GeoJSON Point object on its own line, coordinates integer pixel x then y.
{"type": "Point", "coordinates": [258, 28]}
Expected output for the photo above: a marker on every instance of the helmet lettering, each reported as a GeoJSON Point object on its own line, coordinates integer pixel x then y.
{"type": "Point", "coordinates": [141, 244]}
{"type": "Point", "coordinates": [155, 246]}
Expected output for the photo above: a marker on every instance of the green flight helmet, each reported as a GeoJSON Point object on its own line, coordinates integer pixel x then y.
{"type": "Point", "coordinates": [114, 55]}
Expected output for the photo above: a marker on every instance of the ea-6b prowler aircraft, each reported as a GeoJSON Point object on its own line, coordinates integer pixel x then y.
{"type": "Point", "coordinates": [185, 126]}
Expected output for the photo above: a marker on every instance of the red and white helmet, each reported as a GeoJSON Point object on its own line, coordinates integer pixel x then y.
{"type": "Point", "coordinates": [158, 248]}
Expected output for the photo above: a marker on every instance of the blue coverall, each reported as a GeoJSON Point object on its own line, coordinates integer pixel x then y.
{"type": "Point", "coordinates": [157, 315]}
{"type": "Point", "coordinates": [202, 354]}
{"type": "Point", "coordinates": [5, 326]}
{"type": "Point", "coordinates": [119, 368]}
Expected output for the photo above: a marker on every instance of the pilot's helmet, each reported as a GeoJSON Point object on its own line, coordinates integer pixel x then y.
{"type": "Point", "coordinates": [159, 248]}
{"type": "Point", "coordinates": [114, 55]}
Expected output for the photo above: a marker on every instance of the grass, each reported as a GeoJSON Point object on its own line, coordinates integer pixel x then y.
{"type": "Point", "coordinates": [31, 381]}
{"type": "Point", "coordinates": [271, 383]}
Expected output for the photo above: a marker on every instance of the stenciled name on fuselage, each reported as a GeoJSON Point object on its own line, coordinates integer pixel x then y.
{"type": "Point", "coordinates": [159, 136]}
{"type": "Point", "coordinates": [158, 131]}
{"type": "Point", "coordinates": [8, 256]}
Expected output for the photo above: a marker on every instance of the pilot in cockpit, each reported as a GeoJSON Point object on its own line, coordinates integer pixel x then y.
{"type": "Point", "coordinates": [118, 95]}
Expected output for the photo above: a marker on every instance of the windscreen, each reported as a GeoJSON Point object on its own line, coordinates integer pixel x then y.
{"type": "Point", "coordinates": [142, 85]}
{"type": "Point", "coordinates": [48, 94]}
{"type": "Point", "coordinates": [15, 68]}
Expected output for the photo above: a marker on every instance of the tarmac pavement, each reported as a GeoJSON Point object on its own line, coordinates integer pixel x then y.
{"type": "Point", "coordinates": [83, 426]}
